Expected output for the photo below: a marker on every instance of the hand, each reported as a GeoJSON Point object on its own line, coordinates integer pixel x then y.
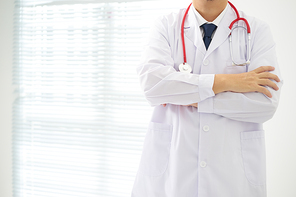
{"type": "Point", "coordinates": [252, 81]}
{"type": "Point", "coordinates": [193, 105]}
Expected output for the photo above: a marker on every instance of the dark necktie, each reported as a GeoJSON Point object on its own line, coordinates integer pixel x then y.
{"type": "Point", "coordinates": [208, 30]}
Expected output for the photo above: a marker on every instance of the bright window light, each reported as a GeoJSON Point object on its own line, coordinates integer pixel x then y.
{"type": "Point", "coordinates": [79, 116]}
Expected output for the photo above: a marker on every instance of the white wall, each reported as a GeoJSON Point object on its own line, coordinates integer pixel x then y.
{"type": "Point", "coordinates": [6, 26]}
{"type": "Point", "coordinates": [280, 131]}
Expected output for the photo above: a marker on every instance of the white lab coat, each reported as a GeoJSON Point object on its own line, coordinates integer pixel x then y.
{"type": "Point", "coordinates": [217, 149]}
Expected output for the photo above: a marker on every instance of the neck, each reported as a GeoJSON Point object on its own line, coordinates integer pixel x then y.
{"type": "Point", "coordinates": [209, 9]}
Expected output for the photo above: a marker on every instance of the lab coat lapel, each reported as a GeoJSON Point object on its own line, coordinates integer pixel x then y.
{"type": "Point", "coordinates": [192, 31]}
{"type": "Point", "coordinates": [222, 31]}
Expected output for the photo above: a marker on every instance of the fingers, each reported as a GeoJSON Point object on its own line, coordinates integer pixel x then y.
{"type": "Point", "coordinates": [264, 91]}
{"type": "Point", "coordinates": [263, 69]}
{"type": "Point", "coordinates": [267, 82]}
{"type": "Point", "coordinates": [193, 105]}
{"type": "Point", "coordinates": [268, 75]}
{"type": "Point", "coordinates": [265, 79]}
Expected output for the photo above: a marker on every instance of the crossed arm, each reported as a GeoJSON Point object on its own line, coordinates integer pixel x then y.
{"type": "Point", "coordinates": [254, 81]}
{"type": "Point", "coordinates": [250, 97]}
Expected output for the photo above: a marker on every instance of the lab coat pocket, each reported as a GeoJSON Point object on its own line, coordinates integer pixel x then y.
{"type": "Point", "coordinates": [233, 69]}
{"type": "Point", "coordinates": [253, 153]}
{"type": "Point", "coordinates": [156, 149]}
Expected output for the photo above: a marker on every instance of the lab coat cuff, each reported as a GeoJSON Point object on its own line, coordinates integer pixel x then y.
{"type": "Point", "coordinates": [206, 82]}
{"type": "Point", "coordinates": [206, 106]}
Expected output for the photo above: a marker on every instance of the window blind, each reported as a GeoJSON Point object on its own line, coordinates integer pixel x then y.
{"type": "Point", "coordinates": [79, 117]}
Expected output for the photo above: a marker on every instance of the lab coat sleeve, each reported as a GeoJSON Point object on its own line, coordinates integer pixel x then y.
{"type": "Point", "coordinates": [160, 81]}
{"type": "Point", "coordinates": [253, 106]}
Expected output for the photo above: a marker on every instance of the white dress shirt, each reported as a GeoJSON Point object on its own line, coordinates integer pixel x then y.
{"type": "Point", "coordinates": [202, 21]}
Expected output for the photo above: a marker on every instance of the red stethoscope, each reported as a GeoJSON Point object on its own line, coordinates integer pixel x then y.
{"type": "Point", "coordinates": [185, 67]}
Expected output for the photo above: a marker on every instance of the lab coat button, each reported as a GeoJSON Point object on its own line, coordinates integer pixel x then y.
{"type": "Point", "coordinates": [206, 62]}
{"type": "Point", "coordinates": [206, 128]}
{"type": "Point", "coordinates": [203, 164]}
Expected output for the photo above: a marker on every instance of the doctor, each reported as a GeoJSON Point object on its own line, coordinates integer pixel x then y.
{"type": "Point", "coordinates": [206, 138]}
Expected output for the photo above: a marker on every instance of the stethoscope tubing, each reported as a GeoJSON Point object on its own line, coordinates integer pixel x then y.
{"type": "Point", "coordinates": [248, 29]}
{"type": "Point", "coordinates": [182, 34]}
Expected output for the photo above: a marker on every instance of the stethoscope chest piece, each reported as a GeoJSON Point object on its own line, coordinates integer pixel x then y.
{"type": "Point", "coordinates": [184, 67]}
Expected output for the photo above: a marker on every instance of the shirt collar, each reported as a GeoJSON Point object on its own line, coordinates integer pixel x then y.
{"type": "Point", "coordinates": [202, 21]}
